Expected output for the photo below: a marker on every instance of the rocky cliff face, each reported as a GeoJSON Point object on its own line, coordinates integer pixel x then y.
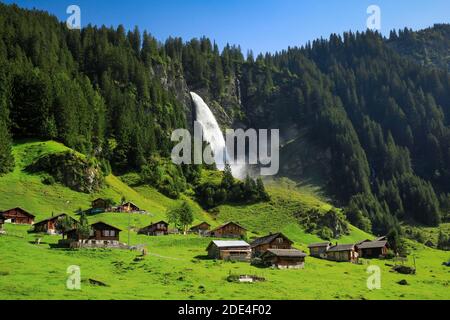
{"type": "Point", "coordinates": [71, 170]}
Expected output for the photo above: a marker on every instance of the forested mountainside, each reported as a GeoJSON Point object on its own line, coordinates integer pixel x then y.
{"type": "Point", "coordinates": [429, 47]}
{"type": "Point", "coordinates": [375, 122]}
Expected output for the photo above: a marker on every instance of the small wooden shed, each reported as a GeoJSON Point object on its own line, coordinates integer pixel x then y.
{"type": "Point", "coordinates": [284, 258]}
{"type": "Point", "coordinates": [228, 230]}
{"type": "Point", "coordinates": [49, 225]}
{"type": "Point", "coordinates": [100, 204]}
{"type": "Point", "coordinates": [271, 241]}
{"type": "Point", "coordinates": [343, 253]}
{"type": "Point", "coordinates": [128, 207]}
{"type": "Point", "coordinates": [372, 249]}
{"type": "Point", "coordinates": [319, 250]}
{"type": "Point", "coordinates": [160, 228]}
{"type": "Point", "coordinates": [229, 250]}
{"type": "Point", "coordinates": [18, 216]}
{"type": "Point", "coordinates": [99, 231]}
{"type": "Point", "coordinates": [201, 228]}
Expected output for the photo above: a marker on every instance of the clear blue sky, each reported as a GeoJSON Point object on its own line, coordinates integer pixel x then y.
{"type": "Point", "coordinates": [261, 25]}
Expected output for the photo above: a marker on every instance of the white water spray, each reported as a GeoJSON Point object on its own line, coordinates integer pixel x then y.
{"type": "Point", "coordinates": [214, 136]}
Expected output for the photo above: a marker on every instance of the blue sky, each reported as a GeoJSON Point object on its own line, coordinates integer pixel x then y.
{"type": "Point", "coordinates": [261, 25]}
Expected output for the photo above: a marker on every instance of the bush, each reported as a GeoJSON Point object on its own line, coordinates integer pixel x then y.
{"type": "Point", "coordinates": [48, 180]}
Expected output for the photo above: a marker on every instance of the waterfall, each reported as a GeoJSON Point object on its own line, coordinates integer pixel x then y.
{"type": "Point", "coordinates": [214, 136]}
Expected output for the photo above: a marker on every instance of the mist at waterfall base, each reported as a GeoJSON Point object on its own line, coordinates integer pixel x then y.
{"type": "Point", "coordinates": [213, 135]}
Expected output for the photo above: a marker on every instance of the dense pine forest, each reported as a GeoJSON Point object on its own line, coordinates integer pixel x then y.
{"type": "Point", "coordinates": [376, 110]}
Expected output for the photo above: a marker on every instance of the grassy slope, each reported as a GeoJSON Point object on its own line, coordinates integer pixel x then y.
{"type": "Point", "coordinates": [171, 271]}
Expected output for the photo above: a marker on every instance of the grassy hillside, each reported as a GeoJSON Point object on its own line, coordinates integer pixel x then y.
{"type": "Point", "coordinates": [176, 267]}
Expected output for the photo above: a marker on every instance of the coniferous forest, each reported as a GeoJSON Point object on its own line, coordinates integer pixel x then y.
{"type": "Point", "coordinates": [377, 114]}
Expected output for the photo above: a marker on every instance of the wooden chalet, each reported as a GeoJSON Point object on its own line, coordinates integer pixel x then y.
{"type": "Point", "coordinates": [201, 228]}
{"type": "Point", "coordinates": [229, 250]}
{"type": "Point", "coordinates": [372, 249]}
{"type": "Point", "coordinates": [284, 258]}
{"type": "Point", "coordinates": [160, 228]}
{"type": "Point", "coordinates": [18, 216]}
{"type": "Point", "coordinates": [319, 250]}
{"type": "Point", "coordinates": [49, 225]}
{"type": "Point", "coordinates": [342, 253]}
{"type": "Point", "coordinates": [128, 207]}
{"type": "Point", "coordinates": [100, 231]}
{"type": "Point", "coordinates": [228, 230]}
{"type": "Point", "coordinates": [100, 204]}
{"type": "Point", "coordinates": [271, 241]}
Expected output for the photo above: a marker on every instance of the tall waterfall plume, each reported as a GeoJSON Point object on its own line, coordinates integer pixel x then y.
{"type": "Point", "coordinates": [214, 136]}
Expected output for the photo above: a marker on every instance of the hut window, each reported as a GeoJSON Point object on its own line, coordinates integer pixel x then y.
{"type": "Point", "coordinates": [106, 233]}
{"type": "Point", "coordinates": [112, 233]}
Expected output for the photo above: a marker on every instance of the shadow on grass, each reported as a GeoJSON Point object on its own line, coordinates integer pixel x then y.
{"type": "Point", "coordinates": [203, 257]}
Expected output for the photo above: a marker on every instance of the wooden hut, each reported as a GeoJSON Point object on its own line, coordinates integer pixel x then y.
{"type": "Point", "coordinates": [201, 228]}
{"type": "Point", "coordinates": [18, 216]}
{"type": "Point", "coordinates": [319, 250]}
{"type": "Point", "coordinates": [228, 230]}
{"type": "Point", "coordinates": [284, 258]}
{"type": "Point", "coordinates": [372, 249]}
{"type": "Point", "coordinates": [271, 241]}
{"type": "Point", "coordinates": [100, 204]}
{"type": "Point", "coordinates": [128, 207]}
{"type": "Point", "coordinates": [342, 253]}
{"type": "Point", "coordinates": [229, 250]}
{"type": "Point", "coordinates": [49, 225]}
{"type": "Point", "coordinates": [160, 228]}
{"type": "Point", "coordinates": [100, 231]}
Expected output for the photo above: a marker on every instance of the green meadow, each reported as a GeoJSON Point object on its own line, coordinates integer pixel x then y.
{"type": "Point", "coordinates": [176, 266]}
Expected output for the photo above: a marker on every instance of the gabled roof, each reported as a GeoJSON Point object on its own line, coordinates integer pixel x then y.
{"type": "Point", "coordinates": [372, 245]}
{"type": "Point", "coordinates": [20, 209]}
{"type": "Point", "coordinates": [98, 199]}
{"type": "Point", "coordinates": [341, 247]}
{"type": "Point", "coordinates": [198, 225]}
{"type": "Point", "coordinates": [54, 218]}
{"type": "Point", "coordinates": [153, 224]}
{"type": "Point", "coordinates": [129, 203]}
{"type": "Point", "coordinates": [227, 223]}
{"type": "Point", "coordinates": [268, 239]}
{"type": "Point", "coordinates": [106, 224]}
{"type": "Point", "coordinates": [319, 245]}
{"type": "Point", "coordinates": [229, 244]}
{"type": "Point", "coordinates": [381, 238]}
{"type": "Point", "coordinates": [285, 253]}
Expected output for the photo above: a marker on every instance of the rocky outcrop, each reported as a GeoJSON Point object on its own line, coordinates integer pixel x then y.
{"type": "Point", "coordinates": [71, 170]}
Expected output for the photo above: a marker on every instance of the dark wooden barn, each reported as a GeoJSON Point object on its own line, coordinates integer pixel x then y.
{"type": "Point", "coordinates": [49, 225]}
{"type": "Point", "coordinates": [228, 230]}
{"type": "Point", "coordinates": [18, 216]}
{"type": "Point", "coordinates": [128, 207]}
{"type": "Point", "coordinates": [100, 231]}
{"type": "Point", "coordinates": [201, 228]}
{"type": "Point", "coordinates": [284, 258]}
{"type": "Point", "coordinates": [100, 204]}
{"type": "Point", "coordinates": [160, 228]}
{"type": "Point", "coordinates": [372, 249]}
{"type": "Point", "coordinates": [272, 241]}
